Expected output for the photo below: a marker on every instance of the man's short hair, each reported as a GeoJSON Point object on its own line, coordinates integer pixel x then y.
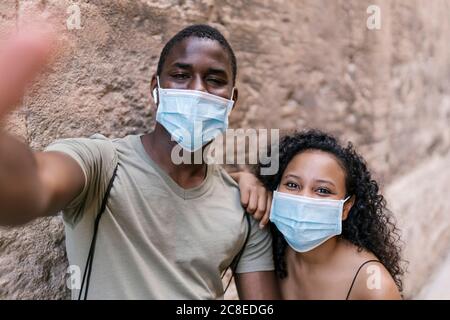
{"type": "Point", "coordinates": [198, 31]}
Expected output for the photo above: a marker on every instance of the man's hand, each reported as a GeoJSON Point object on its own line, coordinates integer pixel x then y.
{"type": "Point", "coordinates": [22, 56]}
{"type": "Point", "coordinates": [255, 198]}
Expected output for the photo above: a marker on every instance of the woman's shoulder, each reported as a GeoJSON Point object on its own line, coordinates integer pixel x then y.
{"type": "Point", "coordinates": [371, 279]}
{"type": "Point", "coordinates": [374, 282]}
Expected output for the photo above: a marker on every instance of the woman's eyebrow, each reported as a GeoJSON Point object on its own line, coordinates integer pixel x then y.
{"type": "Point", "coordinates": [290, 175]}
{"type": "Point", "coordinates": [325, 181]}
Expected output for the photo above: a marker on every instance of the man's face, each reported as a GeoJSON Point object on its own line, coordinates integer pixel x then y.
{"type": "Point", "coordinates": [198, 64]}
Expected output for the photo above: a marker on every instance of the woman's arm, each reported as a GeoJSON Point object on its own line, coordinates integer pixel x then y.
{"type": "Point", "coordinates": [255, 198]}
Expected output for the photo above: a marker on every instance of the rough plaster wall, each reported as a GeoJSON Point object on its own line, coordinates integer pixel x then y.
{"type": "Point", "coordinates": [310, 63]}
{"type": "Point", "coordinates": [422, 211]}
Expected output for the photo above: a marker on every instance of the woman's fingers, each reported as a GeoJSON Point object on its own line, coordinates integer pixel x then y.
{"type": "Point", "coordinates": [265, 219]}
{"type": "Point", "coordinates": [245, 197]}
{"type": "Point", "coordinates": [254, 196]}
{"type": "Point", "coordinates": [22, 56]}
{"type": "Point", "coordinates": [262, 201]}
{"type": "Point", "coordinates": [252, 203]}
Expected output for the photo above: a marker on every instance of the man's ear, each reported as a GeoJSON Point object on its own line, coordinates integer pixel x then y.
{"type": "Point", "coordinates": [235, 96]}
{"type": "Point", "coordinates": [153, 92]}
{"type": "Point", "coordinates": [347, 207]}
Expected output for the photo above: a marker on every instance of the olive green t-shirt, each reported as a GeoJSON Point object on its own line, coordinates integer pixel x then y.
{"type": "Point", "coordinates": [155, 240]}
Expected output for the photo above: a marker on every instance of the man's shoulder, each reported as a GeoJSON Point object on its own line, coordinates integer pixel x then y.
{"type": "Point", "coordinates": [96, 151]}
{"type": "Point", "coordinates": [96, 140]}
{"type": "Point", "coordinates": [225, 177]}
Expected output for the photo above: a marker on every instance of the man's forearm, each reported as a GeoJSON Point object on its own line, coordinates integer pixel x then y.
{"type": "Point", "coordinates": [257, 286]}
{"type": "Point", "coordinates": [19, 182]}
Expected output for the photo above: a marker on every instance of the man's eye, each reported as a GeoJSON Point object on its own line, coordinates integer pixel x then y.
{"type": "Point", "coordinates": [217, 81]}
{"type": "Point", "coordinates": [180, 76]}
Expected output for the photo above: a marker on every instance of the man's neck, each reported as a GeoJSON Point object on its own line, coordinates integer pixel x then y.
{"type": "Point", "coordinates": [159, 145]}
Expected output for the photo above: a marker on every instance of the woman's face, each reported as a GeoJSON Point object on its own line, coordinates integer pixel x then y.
{"type": "Point", "coordinates": [315, 174]}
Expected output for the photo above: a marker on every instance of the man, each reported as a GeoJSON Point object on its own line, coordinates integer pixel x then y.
{"type": "Point", "coordinates": [168, 230]}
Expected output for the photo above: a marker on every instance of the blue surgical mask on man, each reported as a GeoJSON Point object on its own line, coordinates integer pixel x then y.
{"type": "Point", "coordinates": [193, 118]}
{"type": "Point", "coordinates": [306, 222]}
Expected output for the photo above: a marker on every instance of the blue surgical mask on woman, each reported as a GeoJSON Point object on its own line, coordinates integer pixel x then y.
{"type": "Point", "coordinates": [192, 117]}
{"type": "Point", "coordinates": [306, 222]}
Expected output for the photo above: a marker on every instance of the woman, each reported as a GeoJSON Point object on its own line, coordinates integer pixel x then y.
{"type": "Point", "coordinates": [333, 236]}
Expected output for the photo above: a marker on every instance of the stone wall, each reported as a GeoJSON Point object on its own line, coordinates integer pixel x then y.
{"type": "Point", "coordinates": [309, 63]}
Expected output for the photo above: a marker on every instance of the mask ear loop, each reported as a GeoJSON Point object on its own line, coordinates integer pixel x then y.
{"type": "Point", "coordinates": [343, 203]}
{"type": "Point", "coordinates": [232, 93]}
{"type": "Point", "coordinates": [230, 106]}
{"type": "Point", "coordinates": [157, 79]}
{"type": "Point", "coordinates": [156, 91]}
{"type": "Point", "coordinates": [272, 202]}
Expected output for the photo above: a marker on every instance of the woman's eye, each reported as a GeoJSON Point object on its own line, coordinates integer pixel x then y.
{"type": "Point", "coordinates": [291, 185]}
{"type": "Point", "coordinates": [323, 191]}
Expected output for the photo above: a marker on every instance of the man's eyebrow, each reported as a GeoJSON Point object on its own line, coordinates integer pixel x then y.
{"type": "Point", "coordinates": [188, 66]}
{"type": "Point", "coordinates": [217, 71]}
{"type": "Point", "coordinates": [182, 65]}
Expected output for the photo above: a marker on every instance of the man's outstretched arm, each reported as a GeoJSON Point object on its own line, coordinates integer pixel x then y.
{"type": "Point", "coordinates": [31, 184]}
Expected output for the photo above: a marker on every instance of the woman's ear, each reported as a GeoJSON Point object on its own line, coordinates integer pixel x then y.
{"type": "Point", "coordinates": [347, 207]}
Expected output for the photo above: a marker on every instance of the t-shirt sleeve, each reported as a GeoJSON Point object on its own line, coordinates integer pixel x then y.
{"type": "Point", "coordinates": [257, 254]}
{"type": "Point", "coordinates": [97, 158]}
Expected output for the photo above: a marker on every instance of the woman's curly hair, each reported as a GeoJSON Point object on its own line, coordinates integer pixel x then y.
{"type": "Point", "coordinates": [369, 224]}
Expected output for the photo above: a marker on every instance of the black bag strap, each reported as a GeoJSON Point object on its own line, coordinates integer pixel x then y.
{"type": "Point", "coordinates": [237, 258]}
{"type": "Point", "coordinates": [88, 267]}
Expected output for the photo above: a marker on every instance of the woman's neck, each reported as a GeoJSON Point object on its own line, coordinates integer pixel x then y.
{"type": "Point", "coordinates": [318, 256]}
